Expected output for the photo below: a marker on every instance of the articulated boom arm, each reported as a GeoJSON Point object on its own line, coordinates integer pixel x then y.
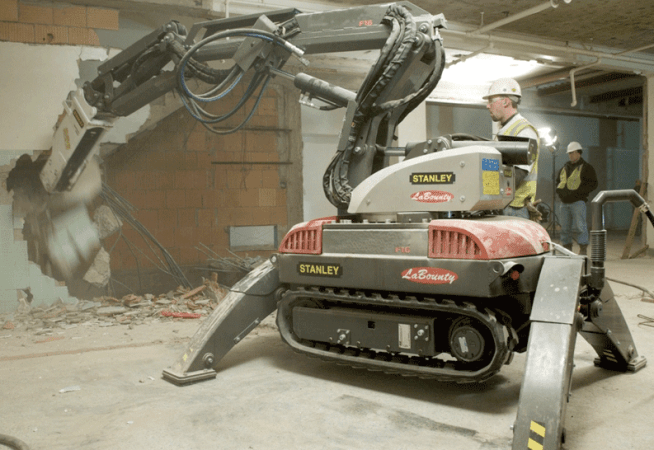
{"type": "Point", "coordinates": [409, 66]}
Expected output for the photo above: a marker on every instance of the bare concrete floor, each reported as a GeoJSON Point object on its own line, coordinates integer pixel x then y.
{"type": "Point", "coordinates": [268, 397]}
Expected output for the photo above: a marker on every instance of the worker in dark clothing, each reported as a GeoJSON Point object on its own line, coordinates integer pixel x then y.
{"type": "Point", "coordinates": [575, 181]}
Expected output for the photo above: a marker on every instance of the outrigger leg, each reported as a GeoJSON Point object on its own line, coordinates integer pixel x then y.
{"type": "Point", "coordinates": [249, 302]}
{"type": "Point", "coordinates": [548, 369]}
{"type": "Point", "coordinates": [608, 333]}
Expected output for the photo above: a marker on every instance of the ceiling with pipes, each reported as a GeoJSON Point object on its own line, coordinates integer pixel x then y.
{"type": "Point", "coordinates": [587, 55]}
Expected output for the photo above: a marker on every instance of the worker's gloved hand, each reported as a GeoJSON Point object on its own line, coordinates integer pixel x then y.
{"type": "Point", "coordinates": [534, 213]}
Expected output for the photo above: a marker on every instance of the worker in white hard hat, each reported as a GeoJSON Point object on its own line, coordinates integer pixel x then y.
{"type": "Point", "coordinates": [503, 99]}
{"type": "Point", "coordinates": [576, 180]}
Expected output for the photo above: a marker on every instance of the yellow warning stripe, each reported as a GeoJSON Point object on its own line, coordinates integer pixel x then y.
{"type": "Point", "coordinates": [537, 428]}
{"type": "Point", "coordinates": [533, 445]}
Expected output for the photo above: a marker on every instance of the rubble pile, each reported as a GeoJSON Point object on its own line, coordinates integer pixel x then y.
{"type": "Point", "coordinates": [106, 311]}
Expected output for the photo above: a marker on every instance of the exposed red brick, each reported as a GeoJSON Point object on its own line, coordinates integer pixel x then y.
{"type": "Point", "coordinates": [197, 140]}
{"type": "Point", "coordinates": [174, 252]}
{"type": "Point", "coordinates": [34, 14]}
{"type": "Point", "coordinates": [253, 155]}
{"type": "Point", "coordinates": [189, 160]}
{"type": "Point", "coordinates": [261, 142]}
{"type": "Point", "coordinates": [278, 215]}
{"type": "Point", "coordinates": [267, 197]}
{"type": "Point", "coordinates": [274, 157]}
{"type": "Point", "coordinates": [184, 237]}
{"type": "Point", "coordinates": [267, 107]}
{"type": "Point", "coordinates": [147, 179]}
{"type": "Point", "coordinates": [50, 34]}
{"type": "Point", "coordinates": [194, 198]}
{"type": "Point", "coordinates": [220, 238]}
{"type": "Point", "coordinates": [106, 19]}
{"type": "Point", "coordinates": [155, 199]}
{"type": "Point", "coordinates": [157, 160]}
{"type": "Point", "coordinates": [175, 199]}
{"type": "Point", "coordinates": [190, 255]}
{"type": "Point", "coordinates": [205, 235]}
{"type": "Point", "coordinates": [167, 218]}
{"type": "Point", "coordinates": [253, 177]}
{"type": "Point", "coordinates": [165, 236]}
{"type": "Point", "coordinates": [231, 198]}
{"type": "Point", "coordinates": [270, 178]}
{"type": "Point", "coordinates": [165, 182]}
{"type": "Point", "coordinates": [70, 16]}
{"type": "Point", "coordinates": [228, 143]}
{"type": "Point", "coordinates": [247, 216]}
{"type": "Point", "coordinates": [206, 217]}
{"type": "Point", "coordinates": [17, 32]}
{"type": "Point", "coordinates": [281, 197]}
{"type": "Point", "coordinates": [248, 197]}
{"type": "Point", "coordinates": [82, 36]}
{"type": "Point", "coordinates": [124, 179]}
{"type": "Point", "coordinates": [212, 198]}
{"type": "Point", "coordinates": [9, 10]}
{"type": "Point", "coordinates": [205, 159]}
{"type": "Point", "coordinates": [186, 218]}
{"type": "Point", "coordinates": [148, 218]}
{"type": "Point", "coordinates": [191, 179]}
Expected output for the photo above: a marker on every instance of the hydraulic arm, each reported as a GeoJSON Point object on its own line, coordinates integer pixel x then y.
{"type": "Point", "coordinates": [411, 60]}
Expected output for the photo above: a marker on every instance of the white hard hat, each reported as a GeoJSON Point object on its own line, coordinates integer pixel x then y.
{"type": "Point", "coordinates": [504, 86]}
{"type": "Point", "coordinates": [573, 147]}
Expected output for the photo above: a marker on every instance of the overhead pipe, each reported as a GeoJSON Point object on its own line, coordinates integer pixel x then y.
{"type": "Point", "coordinates": [539, 46]}
{"type": "Point", "coordinates": [468, 56]}
{"type": "Point", "coordinates": [518, 16]}
{"type": "Point", "coordinates": [572, 79]}
{"type": "Point", "coordinates": [638, 49]}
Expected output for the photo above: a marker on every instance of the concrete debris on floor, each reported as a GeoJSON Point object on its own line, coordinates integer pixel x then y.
{"type": "Point", "coordinates": [99, 387]}
{"type": "Point", "coordinates": [130, 310]}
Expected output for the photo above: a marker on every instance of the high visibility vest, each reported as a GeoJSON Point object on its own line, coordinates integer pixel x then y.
{"type": "Point", "coordinates": [528, 186]}
{"type": "Point", "coordinates": [573, 181]}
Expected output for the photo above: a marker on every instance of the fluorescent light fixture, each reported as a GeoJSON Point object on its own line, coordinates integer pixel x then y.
{"type": "Point", "coordinates": [485, 68]}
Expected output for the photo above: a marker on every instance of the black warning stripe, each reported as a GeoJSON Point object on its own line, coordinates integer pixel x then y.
{"type": "Point", "coordinates": [536, 436]}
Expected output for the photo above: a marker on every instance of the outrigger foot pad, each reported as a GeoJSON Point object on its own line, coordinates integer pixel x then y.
{"type": "Point", "coordinates": [180, 379]}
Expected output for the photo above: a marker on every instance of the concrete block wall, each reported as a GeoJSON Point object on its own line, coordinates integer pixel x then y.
{"type": "Point", "coordinates": [53, 23]}
{"type": "Point", "coordinates": [187, 202]}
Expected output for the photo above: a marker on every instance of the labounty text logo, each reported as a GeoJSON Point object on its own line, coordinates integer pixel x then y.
{"type": "Point", "coordinates": [432, 196]}
{"type": "Point", "coordinates": [429, 275]}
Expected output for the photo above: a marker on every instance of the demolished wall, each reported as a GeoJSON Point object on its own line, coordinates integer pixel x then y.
{"type": "Point", "coordinates": [189, 186]}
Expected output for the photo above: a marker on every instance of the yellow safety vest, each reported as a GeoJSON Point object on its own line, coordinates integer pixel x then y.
{"type": "Point", "coordinates": [528, 186]}
{"type": "Point", "coordinates": [573, 182]}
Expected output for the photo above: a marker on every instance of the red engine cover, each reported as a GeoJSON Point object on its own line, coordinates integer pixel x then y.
{"type": "Point", "coordinates": [486, 239]}
{"type": "Point", "coordinates": [305, 238]}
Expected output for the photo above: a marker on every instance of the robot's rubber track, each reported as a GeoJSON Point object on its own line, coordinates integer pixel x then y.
{"type": "Point", "coordinates": [405, 365]}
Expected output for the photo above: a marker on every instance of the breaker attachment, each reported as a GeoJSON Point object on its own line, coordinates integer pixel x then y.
{"type": "Point", "coordinates": [249, 302]}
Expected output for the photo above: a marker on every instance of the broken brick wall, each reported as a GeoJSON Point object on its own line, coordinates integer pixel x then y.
{"type": "Point", "coordinates": [40, 47]}
{"type": "Point", "coordinates": [187, 201]}
{"type": "Point", "coordinates": [53, 23]}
